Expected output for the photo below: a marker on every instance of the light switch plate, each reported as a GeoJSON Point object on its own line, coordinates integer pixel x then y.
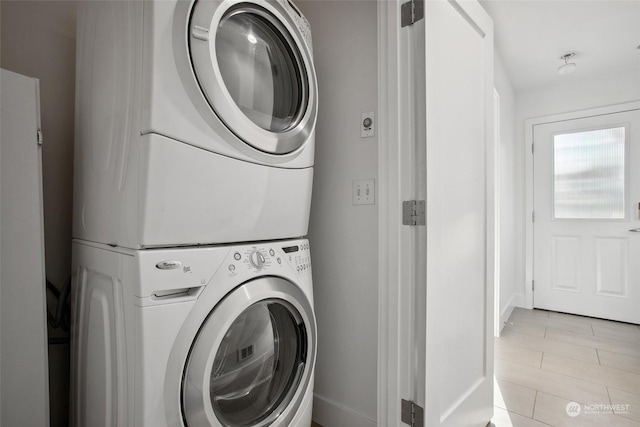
{"type": "Point", "coordinates": [364, 192]}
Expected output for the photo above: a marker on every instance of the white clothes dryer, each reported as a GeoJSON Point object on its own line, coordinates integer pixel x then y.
{"type": "Point", "coordinates": [194, 122]}
{"type": "Point", "coordinates": [211, 336]}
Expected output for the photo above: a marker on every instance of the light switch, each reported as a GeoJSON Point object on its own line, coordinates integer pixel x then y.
{"type": "Point", "coordinates": [364, 191]}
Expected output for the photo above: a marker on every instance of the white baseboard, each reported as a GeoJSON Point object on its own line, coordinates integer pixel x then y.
{"type": "Point", "coordinates": [516, 300]}
{"type": "Point", "coordinates": [332, 414]}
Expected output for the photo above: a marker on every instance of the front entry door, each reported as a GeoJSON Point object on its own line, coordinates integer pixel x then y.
{"type": "Point", "coordinates": [587, 216]}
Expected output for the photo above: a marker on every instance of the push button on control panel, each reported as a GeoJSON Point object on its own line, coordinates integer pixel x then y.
{"type": "Point", "coordinates": [298, 256]}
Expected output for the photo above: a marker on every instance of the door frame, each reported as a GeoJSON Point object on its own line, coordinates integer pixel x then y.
{"type": "Point", "coordinates": [529, 207]}
{"type": "Point", "coordinates": [395, 243]}
{"type": "Point", "coordinates": [497, 200]}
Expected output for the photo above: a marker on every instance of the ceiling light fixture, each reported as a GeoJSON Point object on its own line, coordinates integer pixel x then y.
{"type": "Point", "coordinates": [567, 67]}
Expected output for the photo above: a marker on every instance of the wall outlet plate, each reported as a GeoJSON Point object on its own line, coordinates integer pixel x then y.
{"type": "Point", "coordinates": [364, 192]}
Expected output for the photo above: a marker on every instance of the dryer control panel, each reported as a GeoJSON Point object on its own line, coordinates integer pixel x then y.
{"type": "Point", "coordinates": [301, 22]}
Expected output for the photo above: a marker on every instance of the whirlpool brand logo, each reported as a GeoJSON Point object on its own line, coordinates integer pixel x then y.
{"type": "Point", "coordinates": [168, 265]}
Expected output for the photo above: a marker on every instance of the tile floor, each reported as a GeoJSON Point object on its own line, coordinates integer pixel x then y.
{"type": "Point", "coordinates": [546, 360]}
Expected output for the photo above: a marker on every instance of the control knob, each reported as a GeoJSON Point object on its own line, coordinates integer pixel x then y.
{"type": "Point", "coordinates": [257, 259]}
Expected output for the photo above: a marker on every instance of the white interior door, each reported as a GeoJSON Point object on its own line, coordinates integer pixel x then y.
{"type": "Point", "coordinates": [24, 364]}
{"type": "Point", "coordinates": [587, 216]}
{"type": "Point", "coordinates": [459, 212]}
{"type": "Point", "coordinates": [436, 281]}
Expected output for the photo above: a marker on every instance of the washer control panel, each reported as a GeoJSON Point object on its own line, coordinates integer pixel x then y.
{"type": "Point", "coordinates": [271, 257]}
{"type": "Point", "coordinates": [298, 257]}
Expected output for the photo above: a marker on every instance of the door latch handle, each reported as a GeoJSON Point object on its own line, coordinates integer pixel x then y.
{"type": "Point", "coordinates": [635, 230]}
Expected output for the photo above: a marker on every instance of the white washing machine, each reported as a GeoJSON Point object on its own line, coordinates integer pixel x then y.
{"type": "Point", "coordinates": [194, 122]}
{"type": "Point", "coordinates": [212, 336]}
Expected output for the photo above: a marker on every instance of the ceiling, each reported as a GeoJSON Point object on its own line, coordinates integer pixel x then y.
{"type": "Point", "coordinates": [532, 35]}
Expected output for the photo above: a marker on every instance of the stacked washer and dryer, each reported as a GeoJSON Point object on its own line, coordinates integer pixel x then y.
{"type": "Point", "coordinates": [193, 301]}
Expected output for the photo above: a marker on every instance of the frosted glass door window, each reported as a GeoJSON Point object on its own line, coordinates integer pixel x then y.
{"type": "Point", "coordinates": [589, 174]}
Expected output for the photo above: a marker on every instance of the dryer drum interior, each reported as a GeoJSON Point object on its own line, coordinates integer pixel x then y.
{"type": "Point", "coordinates": [256, 51]}
{"type": "Point", "coordinates": [254, 370]}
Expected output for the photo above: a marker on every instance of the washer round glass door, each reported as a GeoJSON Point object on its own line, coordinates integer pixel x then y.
{"type": "Point", "coordinates": [252, 359]}
{"type": "Point", "coordinates": [255, 72]}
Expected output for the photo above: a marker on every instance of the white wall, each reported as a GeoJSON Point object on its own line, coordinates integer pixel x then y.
{"type": "Point", "coordinates": [38, 40]}
{"type": "Point", "coordinates": [573, 95]}
{"type": "Point", "coordinates": [344, 238]}
{"type": "Point", "coordinates": [510, 252]}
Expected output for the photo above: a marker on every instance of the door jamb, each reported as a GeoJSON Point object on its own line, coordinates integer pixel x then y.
{"type": "Point", "coordinates": [387, 188]}
{"type": "Point", "coordinates": [394, 250]}
{"type": "Point", "coordinates": [529, 125]}
{"type": "Point", "coordinates": [497, 165]}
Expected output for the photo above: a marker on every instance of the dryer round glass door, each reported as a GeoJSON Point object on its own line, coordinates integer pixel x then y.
{"type": "Point", "coordinates": [253, 357]}
{"type": "Point", "coordinates": [255, 71]}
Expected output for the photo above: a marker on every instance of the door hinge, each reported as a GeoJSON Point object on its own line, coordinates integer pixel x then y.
{"type": "Point", "coordinates": [533, 216]}
{"type": "Point", "coordinates": [532, 150]}
{"type": "Point", "coordinates": [40, 139]}
{"type": "Point", "coordinates": [411, 12]}
{"type": "Point", "coordinates": [411, 414]}
{"type": "Point", "coordinates": [533, 285]}
{"type": "Point", "coordinates": [413, 212]}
